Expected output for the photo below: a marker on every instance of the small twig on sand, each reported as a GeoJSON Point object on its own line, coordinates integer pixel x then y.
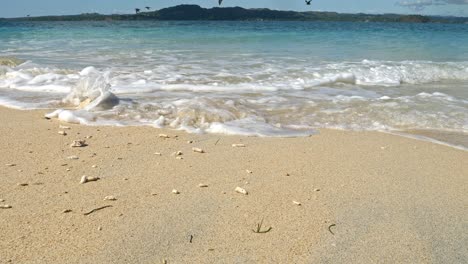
{"type": "Point", "coordinates": [259, 228]}
{"type": "Point", "coordinates": [217, 141]}
{"type": "Point", "coordinates": [97, 209]}
{"type": "Point", "coordinates": [329, 228]}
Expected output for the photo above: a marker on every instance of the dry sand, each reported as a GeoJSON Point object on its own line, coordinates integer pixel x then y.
{"type": "Point", "coordinates": [388, 199]}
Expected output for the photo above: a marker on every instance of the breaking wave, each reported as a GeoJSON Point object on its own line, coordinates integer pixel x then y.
{"type": "Point", "coordinates": [266, 100]}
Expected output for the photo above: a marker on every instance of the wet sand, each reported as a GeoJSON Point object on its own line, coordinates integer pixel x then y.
{"type": "Point", "coordinates": [365, 197]}
{"type": "Point", "coordinates": [455, 139]}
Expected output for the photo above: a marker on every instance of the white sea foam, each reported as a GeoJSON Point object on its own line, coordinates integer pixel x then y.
{"type": "Point", "coordinates": [253, 127]}
{"type": "Point", "coordinates": [268, 100]}
{"type": "Point", "coordinates": [271, 79]}
{"type": "Point", "coordinates": [74, 117]}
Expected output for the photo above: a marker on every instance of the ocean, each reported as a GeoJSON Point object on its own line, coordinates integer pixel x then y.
{"type": "Point", "coordinates": [278, 79]}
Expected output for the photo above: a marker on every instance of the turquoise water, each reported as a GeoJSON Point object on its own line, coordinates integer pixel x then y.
{"type": "Point", "coordinates": [319, 41]}
{"type": "Point", "coordinates": [250, 78]}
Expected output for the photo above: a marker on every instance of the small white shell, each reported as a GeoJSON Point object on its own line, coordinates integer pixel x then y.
{"type": "Point", "coordinates": [78, 144]}
{"type": "Point", "coordinates": [297, 203]}
{"type": "Point", "coordinates": [64, 127]}
{"type": "Point", "coordinates": [5, 206]}
{"type": "Point", "coordinates": [201, 185]}
{"type": "Point", "coordinates": [10, 164]}
{"type": "Point", "coordinates": [238, 145]}
{"type": "Point", "coordinates": [63, 133]}
{"type": "Point", "coordinates": [85, 179]}
{"type": "Point", "coordinates": [241, 190]}
{"type": "Point", "coordinates": [73, 158]}
{"type": "Point", "coordinates": [199, 150]}
{"type": "Point", "coordinates": [249, 171]}
{"type": "Point", "coordinates": [175, 191]}
{"type": "Point", "coordinates": [163, 136]}
{"type": "Point", "coordinates": [110, 198]}
{"type": "Point", "coordinates": [158, 153]}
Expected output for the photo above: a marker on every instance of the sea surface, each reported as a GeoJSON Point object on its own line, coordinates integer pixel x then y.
{"type": "Point", "coordinates": [244, 78]}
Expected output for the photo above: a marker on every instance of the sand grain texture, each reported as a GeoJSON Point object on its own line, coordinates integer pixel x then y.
{"type": "Point", "coordinates": [387, 199]}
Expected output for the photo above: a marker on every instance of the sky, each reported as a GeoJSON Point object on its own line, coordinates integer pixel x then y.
{"type": "Point", "coordinates": [19, 8]}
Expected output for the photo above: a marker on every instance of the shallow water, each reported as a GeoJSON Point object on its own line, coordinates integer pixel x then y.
{"type": "Point", "coordinates": [249, 78]}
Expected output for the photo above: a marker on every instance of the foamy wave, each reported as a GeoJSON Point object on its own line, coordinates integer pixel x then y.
{"type": "Point", "coordinates": [407, 72]}
{"type": "Point", "coordinates": [273, 101]}
{"type": "Point", "coordinates": [254, 127]}
{"type": "Point", "coordinates": [36, 80]}
{"type": "Point", "coordinates": [92, 91]}
{"type": "Point", "coordinates": [75, 117]}
{"type": "Point", "coordinates": [365, 73]}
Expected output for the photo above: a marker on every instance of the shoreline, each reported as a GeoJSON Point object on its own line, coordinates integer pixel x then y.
{"type": "Point", "coordinates": [458, 140]}
{"type": "Point", "coordinates": [452, 139]}
{"type": "Point", "coordinates": [364, 196]}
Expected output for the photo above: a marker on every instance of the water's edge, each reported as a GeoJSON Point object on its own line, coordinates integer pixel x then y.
{"type": "Point", "coordinates": [452, 142]}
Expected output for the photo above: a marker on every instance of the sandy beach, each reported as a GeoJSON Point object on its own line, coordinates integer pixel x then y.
{"type": "Point", "coordinates": [365, 197]}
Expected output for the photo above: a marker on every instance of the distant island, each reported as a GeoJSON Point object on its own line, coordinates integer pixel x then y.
{"type": "Point", "coordinates": [195, 12]}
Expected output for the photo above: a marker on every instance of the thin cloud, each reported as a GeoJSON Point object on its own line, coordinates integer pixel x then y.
{"type": "Point", "coordinates": [419, 5]}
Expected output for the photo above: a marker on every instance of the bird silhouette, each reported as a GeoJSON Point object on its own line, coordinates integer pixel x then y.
{"type": "Point", "coordinates": [137, 10]}
{"type": "Point", "coordinates": [220, 2]}
{"type": "Point", "coordinates": [148, 8]}
{"type": "Point", "coordinates": [308, 2]}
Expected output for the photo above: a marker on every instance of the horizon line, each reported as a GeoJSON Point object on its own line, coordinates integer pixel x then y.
{"type": "Point", "coordinates": [217, 7]}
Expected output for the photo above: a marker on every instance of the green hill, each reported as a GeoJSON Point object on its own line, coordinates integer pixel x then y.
{"type": "Point", "coordinates": [195, 12]}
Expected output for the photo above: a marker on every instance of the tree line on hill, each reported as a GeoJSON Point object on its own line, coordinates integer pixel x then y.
{"type": "Point", "coordinates": [195, 12]}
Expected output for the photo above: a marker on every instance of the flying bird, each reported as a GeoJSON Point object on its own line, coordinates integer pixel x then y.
{"type": "Point", "coordinates": [308, 2]}
{"type": "Point", "coordinates": [148, 8]}
{"type": "Point", "coordinates": [220, 2]}
{"type": "Point", "coordinates": [137, 10]}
